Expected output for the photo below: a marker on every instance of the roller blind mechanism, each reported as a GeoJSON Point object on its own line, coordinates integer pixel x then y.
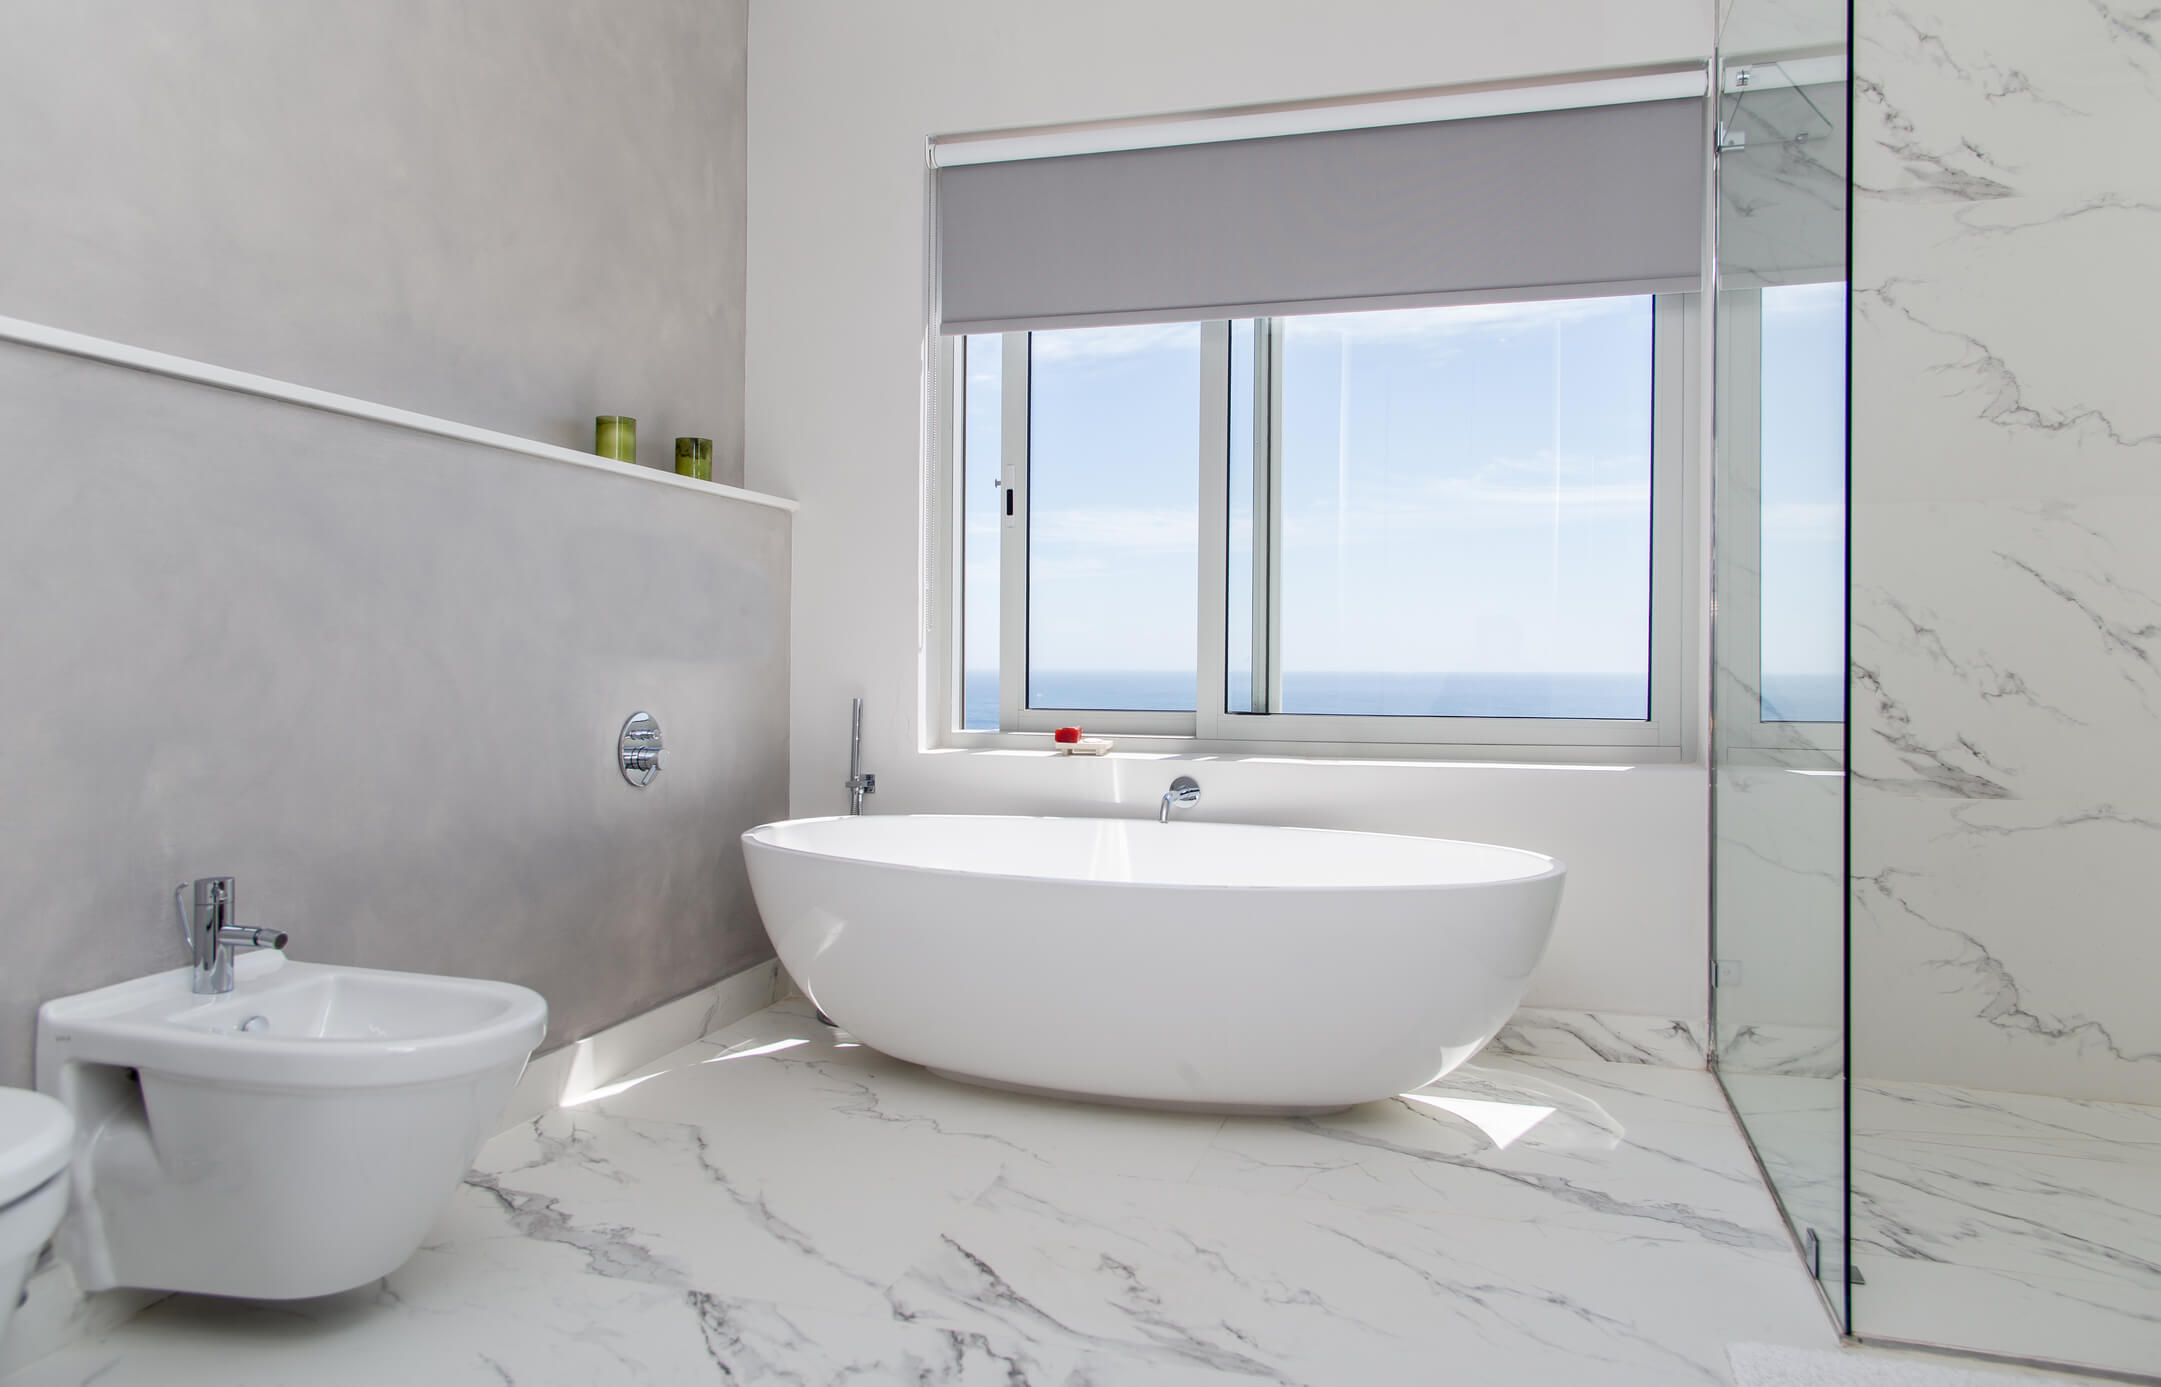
{"type": "Point", "coordinates": [1570, 202]}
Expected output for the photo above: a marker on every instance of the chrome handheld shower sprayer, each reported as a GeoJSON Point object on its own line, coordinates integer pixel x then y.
{"type": "Point", "coordinates": [860, 782]}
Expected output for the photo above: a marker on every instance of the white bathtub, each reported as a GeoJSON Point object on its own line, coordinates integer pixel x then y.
{"type": "Point", "coordinates": [1191, 965]}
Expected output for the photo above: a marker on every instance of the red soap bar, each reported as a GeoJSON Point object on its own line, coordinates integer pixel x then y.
{"type": "Point", "coordinates": [1066, 734]}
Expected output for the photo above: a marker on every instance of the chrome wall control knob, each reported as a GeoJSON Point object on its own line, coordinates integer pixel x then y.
{"type": "Point", "coordinates": [1184, 790]}
{"type": "Point", "coordinates": [638, 749]}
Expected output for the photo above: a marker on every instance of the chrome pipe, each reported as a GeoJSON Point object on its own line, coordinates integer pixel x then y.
{"type": "Point", "coordinates": [859, 783]}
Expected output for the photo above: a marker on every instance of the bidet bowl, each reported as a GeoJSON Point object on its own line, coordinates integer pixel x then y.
{"type": "Point", "coordinates": [294, 1137]}
{"type": "Point", "coordinates": [307, 1024]}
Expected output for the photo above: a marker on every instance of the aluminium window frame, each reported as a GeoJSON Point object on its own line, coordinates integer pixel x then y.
{"type": "Point", "coordinates": [1745, 736]}
{"type": "Point", "coordinates": [1666, 735]}
{"type": "Point", "coordinates": [1017, 380]}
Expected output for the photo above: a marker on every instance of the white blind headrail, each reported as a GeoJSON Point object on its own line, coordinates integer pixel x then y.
{"type": "Point", "coordinates": [1312, 117]}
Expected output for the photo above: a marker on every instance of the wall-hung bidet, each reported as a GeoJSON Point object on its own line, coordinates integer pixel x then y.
{"type": "Point", "coordinates": [292, 1136]}
{"type": "Point", "coordinates": [35, 1136]}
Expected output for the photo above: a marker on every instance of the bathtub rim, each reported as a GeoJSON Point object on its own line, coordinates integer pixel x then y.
{"type": "Point", "coordinates": [1556, 869]}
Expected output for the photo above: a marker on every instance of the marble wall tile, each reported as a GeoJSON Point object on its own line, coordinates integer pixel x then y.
{"type": "Point", "coordinates": [1750, 27]}
{"type": "Point", "coordinates": [2007, 593]}
{"type": "Point", "coordinates": [1613, 1036]}
{"type": "Point", "coordinates": [1781, 874]}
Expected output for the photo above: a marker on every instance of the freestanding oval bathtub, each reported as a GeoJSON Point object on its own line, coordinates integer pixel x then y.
{"type": "Point", "coordinates": [1216, 966]}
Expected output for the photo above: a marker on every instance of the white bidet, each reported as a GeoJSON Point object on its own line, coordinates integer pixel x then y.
{"type": "Point", "coordinates": [292, 1137]}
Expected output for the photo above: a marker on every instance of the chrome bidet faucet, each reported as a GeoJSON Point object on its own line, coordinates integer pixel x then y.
{"type": "Point", "coordinates": [1184, 790]}
{"type": "Point", "coordinates": [212, 935]}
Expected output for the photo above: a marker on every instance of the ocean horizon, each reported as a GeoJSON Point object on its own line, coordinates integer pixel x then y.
{"type": "Point", "coordinates": [1619, 697]}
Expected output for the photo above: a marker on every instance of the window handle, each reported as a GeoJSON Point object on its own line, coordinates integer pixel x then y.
{"type": "Point", "coordinates": [1009, 501]}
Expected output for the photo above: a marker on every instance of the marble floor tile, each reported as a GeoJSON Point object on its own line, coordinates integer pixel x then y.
{"type": "Point", "coordinates": [536, 1331]}
{"type": "Point", "coordinates": [1798, 1127]}
{"type": "Point", "coordinates": [1815, 1052]}
{"type": "Point", "coordinates": [2089, 1130]}
{"type": "Point", "coordinates": [1632, 1092]}
{"type": "Point", "coordinates": [2012, 1210]}
{"type": "Point", "coordinates": [2011, 1223]}
{"type": "Point", "coordinates": [776, 1203]}
{"type": "Point", "coordinates": [2073, 1323]}
{"type": "Point", "coordinates": [1505, 1143]}
{"type": "Point", "coordinates": [1143, 1280]}
{"type": "Point", "coordinates": [2014, 1224]}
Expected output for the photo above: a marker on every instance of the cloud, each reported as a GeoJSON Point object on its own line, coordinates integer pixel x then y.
{"type": "Point", "coordinates": [1092, 345]}
{"type": "Point", "coordinates": [1127, 530]}
{"type": "Point", "coordinates": [1804, 300]}
{"type": "Point", "coordinates": [1504, 494]}
{"type": "Point", "coordinates": [1802, 520]}
{"type": "Point", "coordinates": [1439, 325]}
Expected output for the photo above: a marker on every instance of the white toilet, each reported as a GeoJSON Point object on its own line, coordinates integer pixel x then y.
{"type": "Point", "coordinates": [36, 1135]}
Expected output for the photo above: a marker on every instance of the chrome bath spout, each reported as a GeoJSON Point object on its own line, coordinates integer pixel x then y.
{"type": "Point", "coordinates": [1184, 790]}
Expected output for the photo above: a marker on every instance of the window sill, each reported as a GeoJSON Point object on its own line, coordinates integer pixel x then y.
{"type": "Point", "coordinates": [1038, 746]}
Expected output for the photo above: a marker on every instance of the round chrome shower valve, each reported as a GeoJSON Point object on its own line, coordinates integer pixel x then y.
{"type": "Point", "coordinates": [638, 749]}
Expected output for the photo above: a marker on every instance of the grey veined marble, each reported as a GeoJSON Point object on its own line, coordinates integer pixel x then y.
{"type": "Point", "coordinates": [780, 1204]}
{"type": "Point", "coordinates": [2007, 592]}
{"type": "Point", "coordinates": [2011, 1223]}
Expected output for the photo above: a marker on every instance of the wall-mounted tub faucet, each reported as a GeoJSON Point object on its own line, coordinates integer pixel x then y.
{"type": "Point", "coordinates": [1184, 790]}
{"type": "Point", "coordinates": [860, 782]}
{"type": "Point", "coordinates": [212, 935]}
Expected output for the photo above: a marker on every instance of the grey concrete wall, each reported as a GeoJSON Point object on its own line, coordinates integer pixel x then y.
{"type": "Point", "coordinates": [378, 677]}
{"type": "Point", "coordinates": [515, 213]}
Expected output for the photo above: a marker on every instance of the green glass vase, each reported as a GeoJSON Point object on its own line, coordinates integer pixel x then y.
{"type": "Point", "coordinates": [694, 458]}
{"type": "Point", "coordinates": [616, 436]}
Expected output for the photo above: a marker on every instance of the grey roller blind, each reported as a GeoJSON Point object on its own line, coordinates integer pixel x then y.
{"type": "Point", "coordinates": [1600, 199]}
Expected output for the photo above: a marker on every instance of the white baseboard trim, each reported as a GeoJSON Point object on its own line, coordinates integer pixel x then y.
{"type": "Point", "coordinates": [564, 1075]}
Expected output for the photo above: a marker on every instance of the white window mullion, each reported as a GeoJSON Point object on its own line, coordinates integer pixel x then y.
{"type": "Point", "coordinates": [1674, 321]}
{"type": "Point", "coordinates": [1268, 502]}
{"type": "Point", "coordinates": [1014, 711]}
{"type": "Point", "coordinates": [1013, 535]}
{"type": "Point", "coordinates": [1212, 651]}
{"type": "Point", "coordinates": [946, 621]}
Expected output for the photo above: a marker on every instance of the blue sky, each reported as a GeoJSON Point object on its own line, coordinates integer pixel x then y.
{"type": "Point", "coordinates": [1466, 489]}
{"type": "Point", "coordinates": [1804, 480]}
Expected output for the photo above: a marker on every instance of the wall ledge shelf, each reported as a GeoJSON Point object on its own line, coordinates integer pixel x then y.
{"type": "Point", "coordinates": [77, 344]}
